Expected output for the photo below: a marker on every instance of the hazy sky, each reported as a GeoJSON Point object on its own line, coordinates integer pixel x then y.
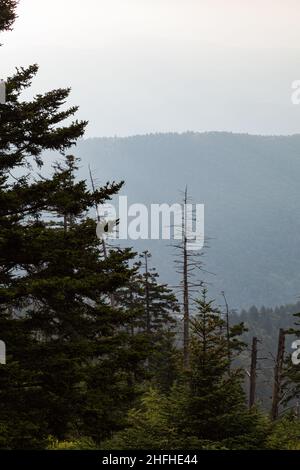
{"type": "Point", "coordinates": [139, 66]}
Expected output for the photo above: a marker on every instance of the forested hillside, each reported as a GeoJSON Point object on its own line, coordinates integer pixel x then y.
{"type": "Point", "coordinates": [249, 185]}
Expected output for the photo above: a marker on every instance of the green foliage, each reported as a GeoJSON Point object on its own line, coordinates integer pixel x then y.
{"type": "Point", "coordinates": [55, 285]}
{"type": "Point", "coordinates": [75, 339]}
{"type": "Point", "coordinates": [206, 408]}
{"type": "Point", "coordinates": [147, 426]}
{"type": "Point", "coordinates": [152, 307]}
{"type": "Point", "coordinates": [285, 434]}
{"type": "Point", "coordinates": [90, 335]}
{"type": "Point", "coordinates": [7, 13]}
{"type": "Point", "coordinates": [27, 128]}
{"type": "Point", "coordinates": [158, 424]}
{"type": "Point", "coordinates": [83, 443]}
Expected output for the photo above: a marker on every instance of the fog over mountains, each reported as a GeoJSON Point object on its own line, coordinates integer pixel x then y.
{"type": "Point", "coordinates": [250, 188]}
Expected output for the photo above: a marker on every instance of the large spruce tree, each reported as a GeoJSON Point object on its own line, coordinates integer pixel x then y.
{"type": "Point", "coordinates": [64, 340]}
{"type": "Point", "coordinates": [27, 129]}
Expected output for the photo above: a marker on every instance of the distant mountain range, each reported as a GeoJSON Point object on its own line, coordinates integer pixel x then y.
{"type": "Point", "coordinates": [251, 191]}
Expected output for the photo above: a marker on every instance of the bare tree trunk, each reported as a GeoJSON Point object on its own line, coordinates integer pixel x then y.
{"type": "Point", "coordinates": [227, 331]}
{"type": "Point", "coordinates": [252, 393]}
{"type": "Point", "coordinates": [148, 319]}
{"type": "Point", "coordinates": [278, 375]}
{"type": "Point", "coordinates": [65, 223]}
{"type": "Point", "coordinates": [186, 310]}
{"type": "Point", "coordinates": [189, 266]}
{"type": "Point", "coordinates": [112, 297]}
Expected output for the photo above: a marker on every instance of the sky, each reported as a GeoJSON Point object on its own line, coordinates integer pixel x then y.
{"type": "Point", "coordinates": [142, 66]}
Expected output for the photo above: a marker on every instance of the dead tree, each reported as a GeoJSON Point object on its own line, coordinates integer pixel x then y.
{"type": "Point", "coordinates": [98, 214]}
{"type": "Point", "coordinates": [146, 255]}
{"type": "Point", "coordinates": [227, 329]}
{"type": "Point", "coordinates": [188, 264]}
{"type": "Point", "coordinates": [103, 243]}
{"type": "Point", "coordinates": [252, 392]}
{"type": "Point", "coordinates": [277, 386]}
{"type": "Point", "coordinates": [185, 284]}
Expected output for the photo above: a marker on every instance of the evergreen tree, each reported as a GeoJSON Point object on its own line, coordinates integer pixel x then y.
{"type": "Point", "coordinates": [213, 406]}
{"type": "Point", "coordinates": [7, 14]}
{"type": "Point", "coordinates": [70, 358]}
{"type": "Point", "coordinates": [153, 307]}
{"type": "Point", "coordinates": [27, 128]}
{"type": "Point", "coordinates": [54, 287]}
{"type": "Point", "coordinates": [148, 426]}
{"type": "Point", "coordinates": [77, 343]}
{"type": "Point", "coordinates": [76, 361]}
{"type": "Point", "coordinates": [206, 408]}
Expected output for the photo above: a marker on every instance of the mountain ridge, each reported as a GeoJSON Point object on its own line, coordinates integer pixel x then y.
{"type": "Point", "coordinates": [249, 185]}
